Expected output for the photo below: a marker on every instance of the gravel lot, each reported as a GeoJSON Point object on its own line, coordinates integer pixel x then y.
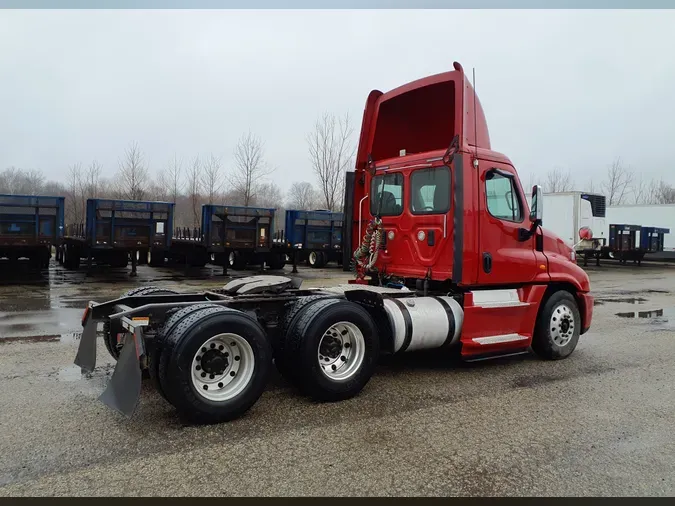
{"type": "Point", "coordinates": [598, 423]}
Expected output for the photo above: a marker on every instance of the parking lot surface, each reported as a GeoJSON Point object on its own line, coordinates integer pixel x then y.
{"type": "Point", "coordinates": [597, 423]}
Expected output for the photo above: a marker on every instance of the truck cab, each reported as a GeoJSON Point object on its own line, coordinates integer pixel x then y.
{"type": "Point", "coordinates": [451, 213]}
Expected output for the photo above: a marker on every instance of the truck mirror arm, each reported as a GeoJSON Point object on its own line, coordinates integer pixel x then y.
{"type": "Point", "coordinates": [524, 234]}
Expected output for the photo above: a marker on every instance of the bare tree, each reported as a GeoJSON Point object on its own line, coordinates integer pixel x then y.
{"type": "Point", "coordinates": [34, 181]}
{"type": "Point", "coordinates": [250, 167]}
{"type": "Point", "coordinates": [662, 193]}
{"type": "Point", "coordinates": [269, 195]}
{"type": "Point", "coordinates": [557, 180]}
{"type": "Point", "coordinates": [76, 201]}
{"type": "Point", "coordinates": [93, 177]}
{"type": "Point", "coordinates": [331, 154]}
{"type": "Point", "coordinates": [211, 179]}
{"type": "Point", "coordinates": [193, 188]}
{"type": "Point", "coordinates": [173, 178]}
{"type": "Point", "coordinates": [16, 181]}
{"type": "Point", "coordinates": [301, 195]}
{"type": "Point", "coordinates": [133, 173]}
{"type": "Point", "coordinates": [642, 191]}
{"type": "Point", "coordinates": [617, 186]}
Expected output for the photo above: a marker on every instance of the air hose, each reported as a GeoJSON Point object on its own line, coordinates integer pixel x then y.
{"type": "Point", "coordinates": [365, 255]}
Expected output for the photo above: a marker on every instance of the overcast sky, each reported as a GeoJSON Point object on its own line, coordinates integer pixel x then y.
{"type": "Point", "coordinates": [573, 89]}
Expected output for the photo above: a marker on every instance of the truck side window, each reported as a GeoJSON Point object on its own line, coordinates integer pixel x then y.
{"type": "Point", "coordinates": [503, 199]}
{"type": "Point", "coordinates": [386, 194]}
{"type": "Point", "coordinates": [430, 191]}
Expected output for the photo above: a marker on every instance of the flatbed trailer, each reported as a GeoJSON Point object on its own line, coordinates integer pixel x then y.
{"type": "Point", "coordinates": [229, 236]}
{"type": "Point", "coordinates": [30, 225]}
{"type": "Point", "coordinates": [314, 237]}
{"type": "Point", "coordinates": [624, 243]}
{"type": "Point", "coordinates": [447, 256]}
{"type": "Point", "coordinates": [116, 231]}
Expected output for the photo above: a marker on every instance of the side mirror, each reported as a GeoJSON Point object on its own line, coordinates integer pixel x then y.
{"type": "Point", "coordinates": [537, 208]}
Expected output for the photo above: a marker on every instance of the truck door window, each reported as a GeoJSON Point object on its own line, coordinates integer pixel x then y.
{"type": "Point", "coordinates": [503, 199]}
{"type": "Point", "coordinates": [386, 195]}
{"type": "Point", "coordinates": [430, 191]}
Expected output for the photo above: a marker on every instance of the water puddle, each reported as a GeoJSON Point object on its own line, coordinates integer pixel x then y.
{"type": "Point", "coordinates": [67, 338]}
{"type": "Point", "coordinates": [652, 315]}
{"type": "Point", "coordinates": [619, 300]}
{"type": "Point", "coordinates": [662, 319]}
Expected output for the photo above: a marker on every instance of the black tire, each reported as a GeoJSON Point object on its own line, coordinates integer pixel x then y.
{"type": "Point", "coordinates": [316, 259]}
{"type": "Point", "coordinates": [302, 347]}
{"type": "Point", "coordinates": [277, 261]}
{"type": "Point", "coordinates": [550, 325]}
{"type": "Point", "coordinates": [184, 342]}
{"type": "Point", "coordinates": [156, 258]}
{"type": "Point", "coordinates": [119, 261]}
{"type": "Point", "coordinates": [284, 366]}
{"type": "Point", "coordinates": [173, 317]}
{"type": "Point", "coordinates": [237, 260]}
{"type": "Point", "coordinates": [111, 341]}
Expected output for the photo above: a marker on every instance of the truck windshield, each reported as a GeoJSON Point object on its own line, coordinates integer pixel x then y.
{"type": "Point", "coordinates": [386, 195]}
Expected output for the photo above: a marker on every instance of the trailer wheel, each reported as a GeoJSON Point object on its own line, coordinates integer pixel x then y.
{"type": "Point", "coordinates": [316, 259]}
{"type": "Point", "coordinates": [109, 340]}
{"type": "Point", "coordinates": [237, 260]}
{"type": "Point", "coordinates": [277, 261]}
{"type": "Point", "coordinates": [285, 366]}
{"type": "Point", "coordinates": [215, 364]}
{"type": "Point", "coordinates": [558, 327]}
{"type": "Point", "coordinates": [333, 345]}
{"type": "Point", "coordinates": [156, 258]}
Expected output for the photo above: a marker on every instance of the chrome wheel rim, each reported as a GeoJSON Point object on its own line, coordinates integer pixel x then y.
{"type": "Point", "coordinates": [341, 351]}
{"type": "Point", "coordinates": [222, 367]}
{"type": "Point", "coordinates": [562, 325]}
{"type": "Point", "coordinates": [230, 258]}
{"type": "Point", "coordinates": [312, 258]}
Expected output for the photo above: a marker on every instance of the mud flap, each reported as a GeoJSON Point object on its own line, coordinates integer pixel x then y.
{"type": "Point", "coordinates": [124, 387]}
{"type": "Point", "coordinates": [86, 352]}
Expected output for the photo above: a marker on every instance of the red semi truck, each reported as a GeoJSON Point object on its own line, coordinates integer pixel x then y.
{"type": "Point", "coordinates": [446, 255]}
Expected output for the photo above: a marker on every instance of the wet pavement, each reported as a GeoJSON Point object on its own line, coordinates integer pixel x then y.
{"type": "Point", "coordinates": [598, 423]}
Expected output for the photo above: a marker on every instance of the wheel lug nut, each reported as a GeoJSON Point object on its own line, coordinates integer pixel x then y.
{"type": "Point", "coordinates": [203, 375]}
{"type": "Point", "coordinates": [233, 343]}
{"type": "Point", "coordinates": [220, 385]}
{"type": "Point", "coordinates": [221, 347]}
{"type": "Point", "coordinates": [236, 357]}
{"type": "Point", "coordinates": [198, 358]}
{"type": "Point", "coordinates": [198, 368]}
{"type": "Point", "coordinates": [232, 373]}
{"type": "Point", "coordinates": [206, 387]}
{"type": "Point", "coordinates": [211, 376]}
{"type": "Point", "coordinates": [213, 345]}
{"type": "Point", "coordinates": [347, 345]}
{"type": "Point", "coordinates": [203, 350]}
{"type": "Point", "coordinates": [343, 358]}
{"type": "Point", "coordinates": [333, 367]}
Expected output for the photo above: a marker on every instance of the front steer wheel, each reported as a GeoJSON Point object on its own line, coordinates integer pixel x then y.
{"type": "Point", "coordinates": [558, 327]}
{"type": "Point", "coordinates": [215, 364]}
{"type": "Point", "coordinates": [333, 347]}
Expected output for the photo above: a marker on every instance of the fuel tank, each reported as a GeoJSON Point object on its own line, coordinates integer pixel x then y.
{"type": "Point", "coordinates": [420, 323]}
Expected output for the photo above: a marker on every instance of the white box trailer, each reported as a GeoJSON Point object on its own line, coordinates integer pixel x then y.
{"type": "Point", "coordinates": [567, 213]}
{"type": "Point", "coordinates": [646, 215]}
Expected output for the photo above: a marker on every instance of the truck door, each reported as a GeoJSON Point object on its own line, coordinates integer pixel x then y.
{"type": "Point", "coordinates": [429, 206]}
{"type": "Point", "coordinates": [504, 259]}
